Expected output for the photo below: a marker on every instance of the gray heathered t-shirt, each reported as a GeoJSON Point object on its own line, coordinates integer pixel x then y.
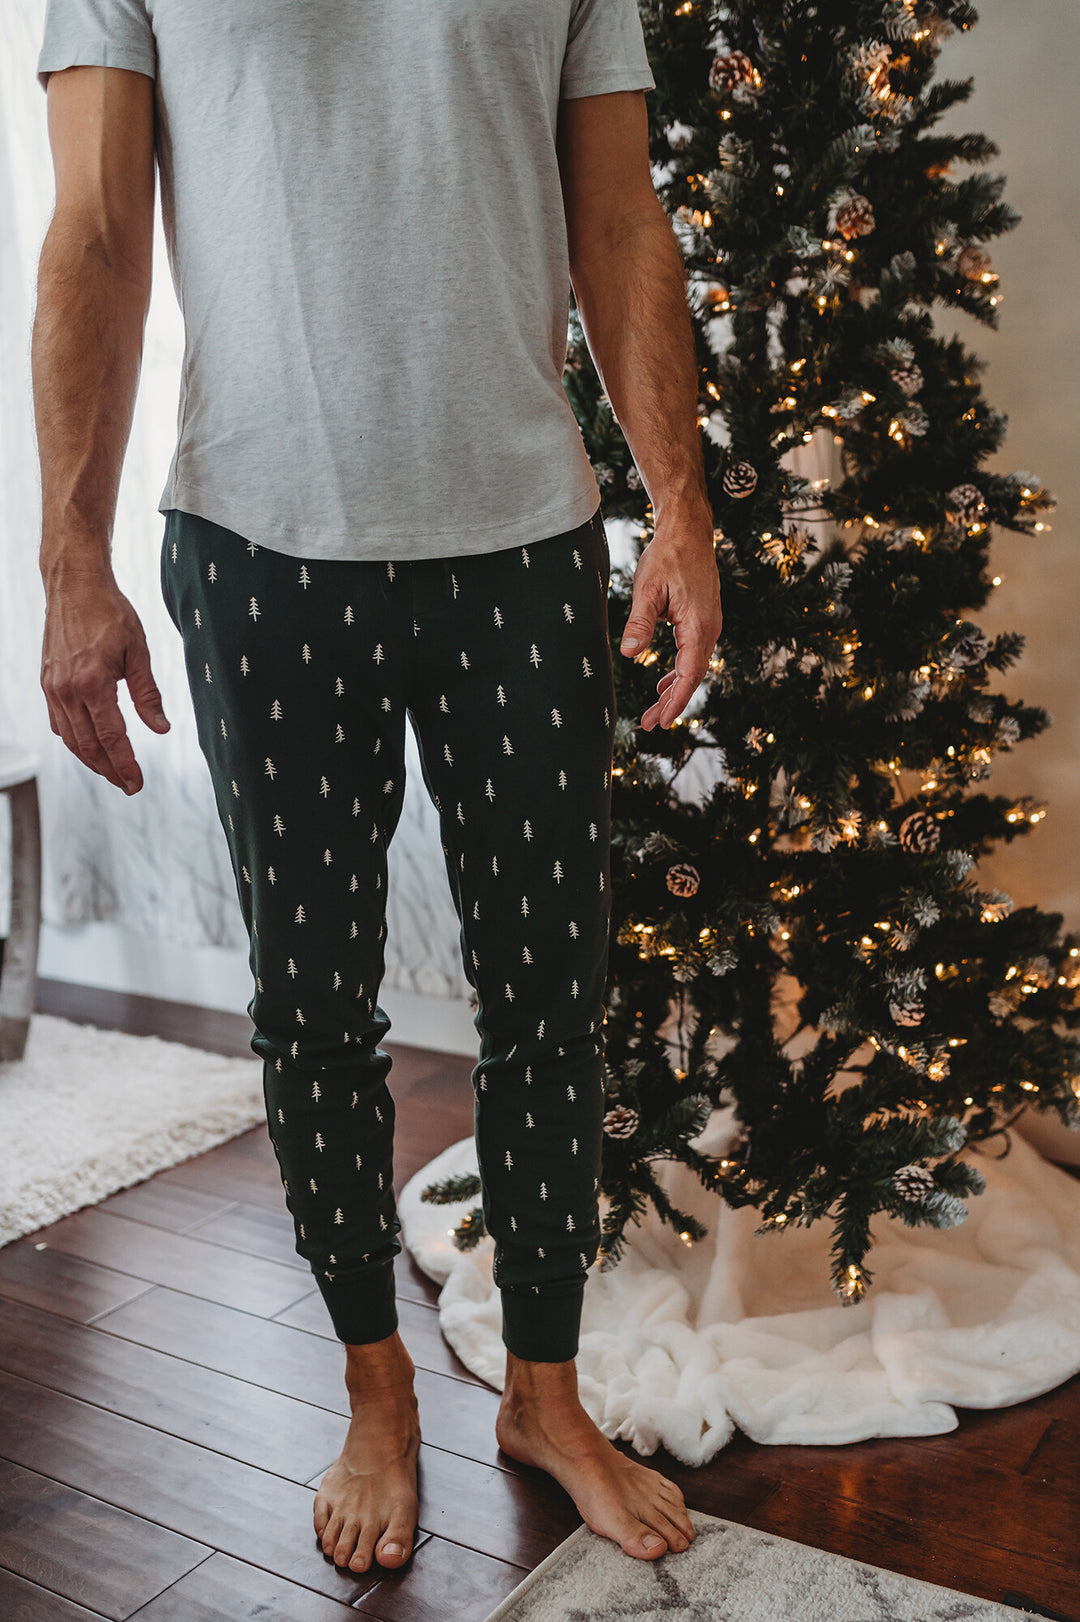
{"type": "Point", "coordinates": [365, 228]}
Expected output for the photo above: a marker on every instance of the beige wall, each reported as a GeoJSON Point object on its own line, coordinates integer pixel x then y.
{"type": "Point", "coordinates": [1024, 62]}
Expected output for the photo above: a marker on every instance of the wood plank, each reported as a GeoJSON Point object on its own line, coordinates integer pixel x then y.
{"type": "Point", "coordinates": [174, 1259]}
{"type": "Point", "coordinates": [233, 1416]}
{"type": "Point", "coordinates": [213, 1500]}
{"type": "Point", "coordinates": [26, 1602]}
{"type": "Point", "coordinates": [224, 1589]}
{"type": "Point", "coordinates": [143, 1559]}
{"type": "Point", "coordinates": [458, 1415]}
{"type": "Point", "coordinates": [68, 1286]}
{"type": "Point", "coordinates": [165, 1205]}
{"type": "Point", "coordinates": [443, 1580]}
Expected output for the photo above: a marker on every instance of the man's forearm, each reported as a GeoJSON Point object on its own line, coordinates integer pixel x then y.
{"type": "Point", "coordinates": [85, 356]}
{"type": "Point", "coordinates": [631, 296]}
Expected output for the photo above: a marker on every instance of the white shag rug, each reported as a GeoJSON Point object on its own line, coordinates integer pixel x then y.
{"type": "Point", "coordinates": [86, 1112]}
{"type": "Point", "coordinates": [730, 1573]}
{"type": "Point", "coordinates": [680, 1344]}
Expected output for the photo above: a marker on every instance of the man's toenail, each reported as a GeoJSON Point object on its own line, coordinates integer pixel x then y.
{"type": "Point", "coordinates": [653, 1542]}
{"type": "Point", "coordinates": [392, 1549]}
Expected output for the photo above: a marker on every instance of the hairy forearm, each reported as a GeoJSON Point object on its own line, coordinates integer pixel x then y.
{"type": "Point", "coordinates": [85, 357]}
{"type": "Point", "coordinates": [631, 296]}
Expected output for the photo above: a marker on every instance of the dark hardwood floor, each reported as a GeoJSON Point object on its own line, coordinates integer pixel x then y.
{"type": "Point", "coordinates": [171, 1393]}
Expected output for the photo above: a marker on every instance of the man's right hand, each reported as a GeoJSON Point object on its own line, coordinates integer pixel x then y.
{"type": "Point", "coordinates": [93, 640]}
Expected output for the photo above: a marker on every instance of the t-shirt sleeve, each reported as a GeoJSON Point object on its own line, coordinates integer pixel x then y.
{"type": "Point", "coordinates": [605, 50]}
{"type": "Point", "coordinates": [103, 33]}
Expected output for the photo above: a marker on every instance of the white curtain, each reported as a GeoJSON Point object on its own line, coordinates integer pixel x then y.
{"type": "Point", "coordinates": [155, 862]}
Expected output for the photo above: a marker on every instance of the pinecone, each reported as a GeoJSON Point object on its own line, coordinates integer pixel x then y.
{"type": "Point", "coordinates": [907, 1011]}
{"type": "Point", "coordinates": [907, 377]}
{"type": "Point", "coordinates": [920, 832]}
{"type": "Point", "coordinates": [971, 644]}
{"type": "Point", "coordinates": [633, 478]}
{"type": "Point", "coordinates": [913, 1183]}
{"type": "Point", "coordinates": [972, 262]}
{"type": "Point", "coordinates": [740, 479]}
{"type": "Point", "coordinates": [965, 505]}
{"type": "Point", "coordinates": [728, 69]}
{"type": "Point", "coordinates": [682, 879]}
{"type": "Point", "coordinates": [855, 218]}
{"type": "Point", "coordinates": [621, 1122]}
{"type": "Point", "coordinates": [679, 136]}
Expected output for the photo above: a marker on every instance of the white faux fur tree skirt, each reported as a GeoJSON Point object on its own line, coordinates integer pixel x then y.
{"type": "Point", "coordinates": [682, 1344]}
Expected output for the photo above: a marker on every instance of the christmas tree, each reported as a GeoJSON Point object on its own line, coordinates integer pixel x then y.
{"type": "Point", "coordinates": [805, 937]}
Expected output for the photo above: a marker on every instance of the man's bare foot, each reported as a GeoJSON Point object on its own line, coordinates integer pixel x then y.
{"type": "Point", "coordinates": [368, 1495]}
{"type": "Point", "coordinates": [541, 1422]}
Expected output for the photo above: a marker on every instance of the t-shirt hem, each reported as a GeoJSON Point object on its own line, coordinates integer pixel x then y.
{"type": "Point", "coordinates": [598, 84]}
{"type": "Point", "coordinates": [98, 53]}
{"type": "Point", "coordinates": [314, 542]}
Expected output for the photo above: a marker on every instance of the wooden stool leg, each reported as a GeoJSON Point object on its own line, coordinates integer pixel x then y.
{"type": "Point", "coordinates": [18, 983]}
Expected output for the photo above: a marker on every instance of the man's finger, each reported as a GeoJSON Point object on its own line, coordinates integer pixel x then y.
{"type": "Point", "coordinates": [106, 726]}
{"type": "Point", "coordinates": [143, 688]}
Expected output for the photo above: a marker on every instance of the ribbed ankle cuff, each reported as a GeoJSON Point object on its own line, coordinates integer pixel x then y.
{"type": "Point", "coordinates": [542, 1323]}
{"type": "Point", "coordinates": [362, 1306]}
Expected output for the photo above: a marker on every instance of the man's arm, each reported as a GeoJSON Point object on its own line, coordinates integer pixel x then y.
{"type": "Point", "coordinates": [629, 283]}
{"type": "Point", "coordinates": [93, 293]}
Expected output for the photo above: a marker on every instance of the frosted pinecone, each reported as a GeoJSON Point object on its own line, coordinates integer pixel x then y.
{"type": "Point", "coordinates": [946, 1210]}
{"type": "Point", "coordinates": [908, 378]}
{"type": "Point", "coordinates": [906, 1010]}
{"type": "Point", "coordinates": [730, 69]}
{"type": "Point", "coordinates": [683, 879]}
{"type": "Point", "coordinates": [621, 1121]}
{"type": "Point", "coordinates": [854, 217]}
{"type": "Point", "coordinates": [965, 504]}
{"type": "Point", "coordinates": [913, 1183]}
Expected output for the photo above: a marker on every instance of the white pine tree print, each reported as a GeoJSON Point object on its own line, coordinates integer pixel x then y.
{"type": "Point", "coordinates": [568, 613]}
{"type": "Point", "coordinates": [236, 791]}
{"type": "Point", "coordinates": [581, 1258]}
{"type": "Point", "coordinates": [447, 756]}
{"type": "Point", "coordinates": [526, 955]}
{"type": "Point", "coordinates": [208, 675]}
{"type": "Point", "coordinates": [269, 770]}
{"type": "Point", "coordinates": [574, 930]}
{"type": "Point", "coordinates": [500, 694]}
{"type": "Point", "coordinates": [316, 1090]}
{"type": "Point", "coordinates": [525, 556]}
{"type": "Point", "coordinates": [324, 787]}
{"type": "Point", "coordinates": [198, 620]}
{"type": "Point", "coordinates": [339, 1216]}
{"type": "Point", "coordinates": [540, 1251]}
{"type": "Point", "coordinates": [378, 1114]}
{"type": "Point", "coordinates": [379, 656]}
{"type": "Point", "coordinates": [528, 1118]}
{"type": "Point", "coordinates": [465, 660]}
{"type": "Point", "coordinates": [534, 656]}
{"type": "Point", "coordinates": [524, 906]}
{"type": "Point", "coordinates": [513, 1224]}
{"type": "Point", "coordinates": [348, 615]}
{"type": "Point", "coordinates": [489, 790]}
{"type": "Point", "coordinates": [305, 578]}
{"type": "Point", "coordinates": [527, 830]}
{"type": "Point", "coordinates": [356, 808]}
{"type": "Point", "coordinates": [276, 711]}
{"type": "Point", "coordinates": [327, 858]}
{"type": "Point", "coordinates": [556, 718]}
{"type": "Point", "coordinates": [543, 1191]}
{"type": "Point", "coordinates": [253, 609]}
{"type": "Point", "coordinates": [247, 875]}
{"type": "Point", "coordinates": [281, 1117]}
{"type": "Point", "coordinates": [174, 551]}
{"type": "Point", "coordinates": [586, 667]}
{"type": "Point", "coordinates": [300, 916]}
{"type": "Point", "coordinates": [594, 832]}
{"type": "Point", "coordinates": [354, 883]}
{"type": "Point", "coordinates": [569, 1223]}
{"type": "Point", "coordinates": [252, 547]}
{"type": "Point", "coordinates": [509, 992]}
{"type": "Point", "coordinates": [313, 1185]}
{"type": "Point", "coordinates": [577, 558]}
{"type": "Point", "coordinates": [320, 1142]}
{"type": "Point", "coordinates": [294, 1051]}
{"type": "Point", "coordinates": [339, 687]}
{"type": "Point", "coordinates": [509, 1161]}
{"type": "Point", "coordinates": [245, 668]}
{"type": "Point", "coordinates": [574, 990]}
{"type": "Point", "coordinates": [305, 654]}
{"type": "Point", "coordinates": [293, 971]}
{"type": "Point", "coordinates": [211, 571]}
{"type": "Point", "coordinates": [460, 815]}
{"type": "Point", "coordinates": [562, 779]}
{"type": "Point", "coordinates": [339, 735]}
{"type": "Point", "coordinates": [359, 1163]}
{"type": "Point", "coordinates": [540, 1030]}
{"type": "Point", "coordinates": [382, 1222]}
{"type": "Point", "coordinates": [571, 1094]}
{"type": "Point", "coordinates": [574, 1146]}
{"type": "Point", "coordinates": [498, 617]}
{"type": "Point", "coordinates": [557, 871]}
{"type": "Point", "coordinates": [444, 704]}
{"type": "Point", "coordinates": [528, 1075]}
{"type": "Point", "coordinates": [224, 733]}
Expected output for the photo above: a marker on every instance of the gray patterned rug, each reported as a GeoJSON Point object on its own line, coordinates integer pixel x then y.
{"type": "Point", "coordinates": [730, 1573]}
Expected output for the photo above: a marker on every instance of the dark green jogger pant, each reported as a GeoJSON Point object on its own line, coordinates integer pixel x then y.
{"type": "Point", "coordinates": [301, 674]}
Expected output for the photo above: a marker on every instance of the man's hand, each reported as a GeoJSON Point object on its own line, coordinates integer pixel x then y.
{"type": "Point", "coordinates": [676, 580]}
{"type": "Point", "coordinates": [93, 639]}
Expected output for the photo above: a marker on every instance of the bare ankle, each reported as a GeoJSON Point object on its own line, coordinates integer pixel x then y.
{"type": "Point", "coordinates": [381, 1363]}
